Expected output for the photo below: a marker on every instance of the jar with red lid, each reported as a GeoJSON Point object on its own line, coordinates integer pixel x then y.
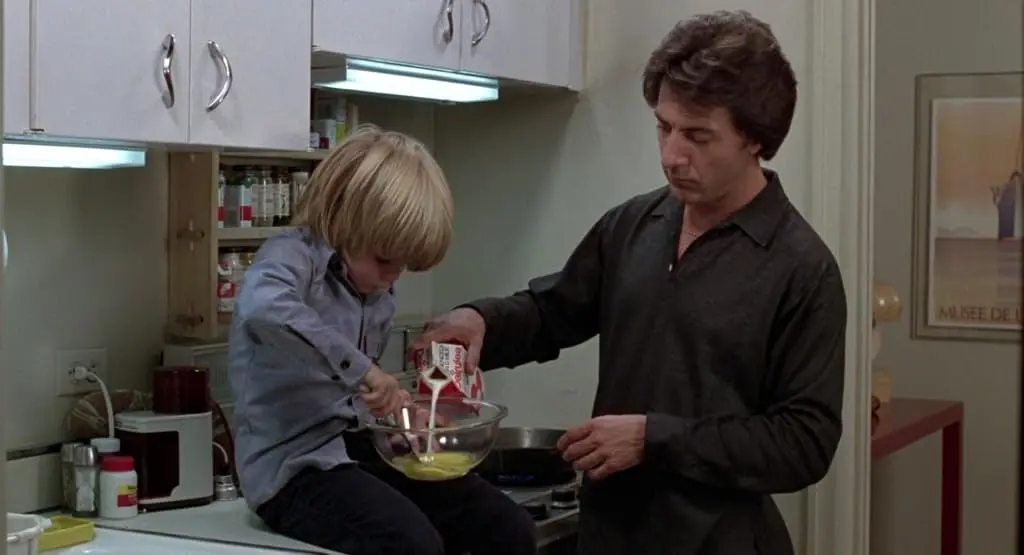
{"type": "Point", "coordinates": [118, 487]}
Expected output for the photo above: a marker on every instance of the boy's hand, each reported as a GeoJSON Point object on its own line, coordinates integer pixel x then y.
{"type": "Point", "coordinates": [381, 393]}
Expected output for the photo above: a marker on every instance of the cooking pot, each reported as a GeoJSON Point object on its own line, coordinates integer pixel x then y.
{"type": "Point", "coordinates": [526, 457]}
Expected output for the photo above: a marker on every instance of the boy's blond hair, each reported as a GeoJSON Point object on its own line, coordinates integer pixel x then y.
{"type": "Point", "coordinates": [380, 193]}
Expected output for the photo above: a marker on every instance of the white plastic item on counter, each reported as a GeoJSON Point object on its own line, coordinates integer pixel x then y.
{"type": "Point", "coordinates": [23, 533]}
{"type": "Point", "coordinates": [118, 488]}
{"type": "Point", "coordinates": [106, 446]}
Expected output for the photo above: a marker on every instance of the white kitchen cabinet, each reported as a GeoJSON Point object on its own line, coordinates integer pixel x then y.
{"type": "Point", "coordinates": [265, 103]}
{"type": "Point", "coordinates": [536, 41]}
{"type": "Point", "coordinates": [525, 40]}
{"type": "Point", "coordinates": [16, 64]}
{"type": "Point", "coordinates": [417, 32]}
{"type": "Point", "coordinates": [99, 69]}
{"type": "Point", "coordinates": [144, 71]}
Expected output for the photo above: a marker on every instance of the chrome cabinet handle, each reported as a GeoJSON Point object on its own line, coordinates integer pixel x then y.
{"type": "Point", "coordinates": [449, 33]}
{"type": "Point", "coordinates": [218, 56]}
{"type": "Point", "coordinates": [479, 35]}
{"type": "Point", "coordinates": [166, 66]}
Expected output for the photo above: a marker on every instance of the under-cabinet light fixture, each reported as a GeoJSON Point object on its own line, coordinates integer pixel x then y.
{"type": "Point", "coordinates": [385, 78]}
{"type": "Point", "coordinates": [31, 155]}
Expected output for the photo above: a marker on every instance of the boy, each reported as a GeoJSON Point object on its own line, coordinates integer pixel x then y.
{"type": "Point", "coordinates": [313, 314]}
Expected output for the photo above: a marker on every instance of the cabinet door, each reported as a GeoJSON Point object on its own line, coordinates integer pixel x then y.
{"type": "Point", "coordinates": [526, 40]}
{"type": "Point", "coordinates": [17, 42]}
{"type": "Point", "coordinates": [417, 32]}
{"type": "Point", "coordinates": [265, 102]}
{"type": "Point", "coordinates": [99, 69]}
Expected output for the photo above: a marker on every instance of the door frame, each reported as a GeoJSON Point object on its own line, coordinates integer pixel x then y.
{"type": "Point", "coordinates": [3, 370]}
{"type": "Point", "coordinates": [841, 209]}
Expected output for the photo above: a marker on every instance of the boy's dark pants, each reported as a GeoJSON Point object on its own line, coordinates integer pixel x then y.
{"type": "Point", "coordinates": [371, 509]}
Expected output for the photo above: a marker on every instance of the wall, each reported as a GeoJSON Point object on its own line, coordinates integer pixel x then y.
{"type": "Point", "coordinates": [532, 174]}
{"type": "Point", "coordinates": [87, 269]}
{"type": "Point", "coordinates": [947, 37]}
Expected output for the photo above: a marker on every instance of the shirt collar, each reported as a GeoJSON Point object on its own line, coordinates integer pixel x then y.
{"type": "Point", "coordinates": [324, 257]}
{"type": "Point", "coordinates": [758, 219]}
{"type": "Point", "coordinates": [329, 262]}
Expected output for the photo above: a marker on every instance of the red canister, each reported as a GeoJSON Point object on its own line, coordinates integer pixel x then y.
{"type": "Point", "coordinates": [181, 390]}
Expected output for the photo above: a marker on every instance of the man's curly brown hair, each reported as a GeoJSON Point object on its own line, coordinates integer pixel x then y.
{"type": "Point", "coordinates": [732, 60]}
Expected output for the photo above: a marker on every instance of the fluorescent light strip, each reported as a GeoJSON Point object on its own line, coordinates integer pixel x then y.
{"type": "Point", "coordinates": [58, 156]}
{"type": "Point", "coordinates": [375, 77]}
{"type": "Point", "coordinates": [426, 72]}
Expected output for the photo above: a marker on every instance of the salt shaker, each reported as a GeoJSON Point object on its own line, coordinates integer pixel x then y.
{"type": "Point", "coordinates": [67, 473]}
{"type": "Point", "coordinates": [87, 470]}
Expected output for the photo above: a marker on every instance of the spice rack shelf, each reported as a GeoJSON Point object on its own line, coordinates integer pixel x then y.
{"type": "Point", "coordinates": [195, 241]}
{"type": "Point", "coordinates": [311, 154]}
{"type": "Point", "coordinates": [241, 235]}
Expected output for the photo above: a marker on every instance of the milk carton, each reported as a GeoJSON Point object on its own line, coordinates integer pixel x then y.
{"type": "Point", "coordinates": [447, 362]}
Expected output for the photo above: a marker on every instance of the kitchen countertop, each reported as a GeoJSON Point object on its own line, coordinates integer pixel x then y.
{"type": "Point", "coordinates": [233, 522]}
{"type": "Point", "coordinates": [223, 521]}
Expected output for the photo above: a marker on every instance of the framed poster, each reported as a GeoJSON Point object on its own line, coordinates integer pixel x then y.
{"type": "Point", "coordinates": [969, 207]}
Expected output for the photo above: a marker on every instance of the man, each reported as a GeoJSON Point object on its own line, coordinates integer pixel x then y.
{"type": "Point", "coordinates": [721, 317]}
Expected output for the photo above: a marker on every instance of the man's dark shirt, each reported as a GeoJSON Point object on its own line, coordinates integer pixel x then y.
{"type": "Point", "coordinates": [735, 353]}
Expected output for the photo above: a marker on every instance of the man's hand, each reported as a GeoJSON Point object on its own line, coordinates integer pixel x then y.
{"type": "Point", "coordinates": [381, 393]}
{"type": "Point", "coordinates": [605, 445]}
{"type": "Point", "coordinates": [462, 325]}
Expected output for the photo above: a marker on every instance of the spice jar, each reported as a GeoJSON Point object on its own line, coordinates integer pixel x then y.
{"type": "Point", "coordinates": [284, 198]}
{"type": "Point", "coordinates": [298, 184]}
{"type": "Point", "coordinates": [246, 258]}
{"type": "Point", "coordinates": [222, 183]}
{"type": "Point", "coordinates": [229, 276]}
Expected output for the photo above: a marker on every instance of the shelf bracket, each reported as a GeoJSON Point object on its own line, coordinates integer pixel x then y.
{"type": "Point", "coordinates": [191, 320]}
{"type": "Point", "coordinates": [191, 234]}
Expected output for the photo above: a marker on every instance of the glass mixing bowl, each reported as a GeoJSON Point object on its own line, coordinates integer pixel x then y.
{"type": "Point", "coordinates": [464, 433]}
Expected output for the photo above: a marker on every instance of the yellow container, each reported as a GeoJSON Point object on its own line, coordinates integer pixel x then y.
{"type": "Point", "coordinates": [66, 531]}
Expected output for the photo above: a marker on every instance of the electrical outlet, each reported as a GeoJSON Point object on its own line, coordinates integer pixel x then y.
{"type": "Point", "coordinates": [93, 359]}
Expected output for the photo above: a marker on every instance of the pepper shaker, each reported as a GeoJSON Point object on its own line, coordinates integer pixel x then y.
{"type": "Point", "coordinates": [224, 488]}
{"type": "Point", "coordinates": [67, 474]}
{"type": "Point", "coordinates": [86, 484]}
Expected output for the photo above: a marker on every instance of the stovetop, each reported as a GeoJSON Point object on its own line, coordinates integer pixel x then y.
{"type": "Point", "coordinates": [546, 503]}
{"type": "Point", "coordinates": [526, 495]}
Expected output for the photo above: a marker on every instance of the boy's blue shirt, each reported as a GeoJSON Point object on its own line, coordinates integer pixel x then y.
{"type": "Point", "coordinates": [300, 343]}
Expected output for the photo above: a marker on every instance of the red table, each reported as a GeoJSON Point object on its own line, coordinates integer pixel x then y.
{"type": "Point", "coordinates": [905, 421]}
